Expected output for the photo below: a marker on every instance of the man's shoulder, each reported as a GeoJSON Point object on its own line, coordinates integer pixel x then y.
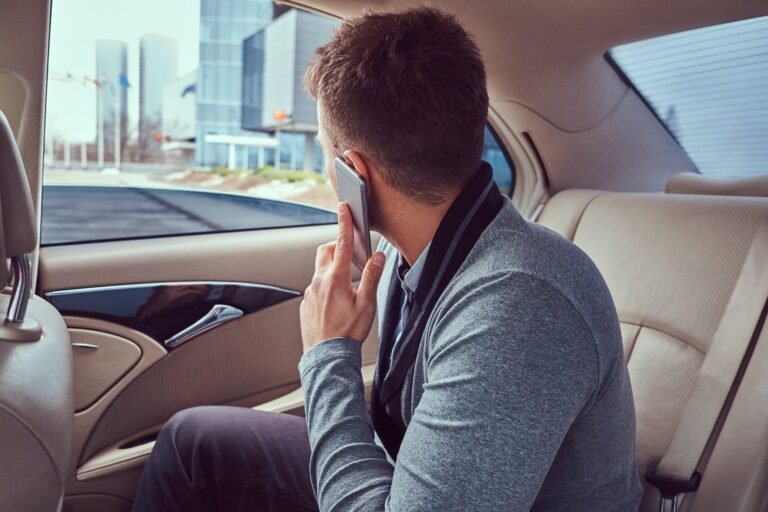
{"type": "Point", "coordinates": [521, 254]}
{"type": "Point", "coordinates": [512, 244]}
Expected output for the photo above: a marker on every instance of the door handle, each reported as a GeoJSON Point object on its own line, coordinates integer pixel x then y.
{"type": "Point", "coordinates": [218, 315]}
{"type": "Point", "coordinates": [89, 346]}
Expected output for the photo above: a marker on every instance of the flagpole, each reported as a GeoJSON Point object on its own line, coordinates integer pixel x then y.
{"type": "Point", "coordinates": [100, 93]}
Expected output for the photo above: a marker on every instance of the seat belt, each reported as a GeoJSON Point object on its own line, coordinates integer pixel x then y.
{"type": "Point", "coordinates": [676, 473]}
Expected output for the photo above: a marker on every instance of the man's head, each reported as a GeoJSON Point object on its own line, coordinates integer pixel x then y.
{"type": "Point", "coordinates": [405, 94]}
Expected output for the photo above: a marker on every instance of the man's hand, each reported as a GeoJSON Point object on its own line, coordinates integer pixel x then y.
{"type": "Point", "coordinates": [332, 306]}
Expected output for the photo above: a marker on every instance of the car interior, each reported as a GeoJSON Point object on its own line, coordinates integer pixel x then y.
{"type": "Point", "coordinates": [119, 335]}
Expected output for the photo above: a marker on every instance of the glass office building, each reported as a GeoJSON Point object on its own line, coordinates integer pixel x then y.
{"type": "Point", "coordinates": [275, 60]}
{"type": "Point", "coordinates": [253, 81]}
{"type": "Point", "coordinates": [224, 24]}
{"type": "Point", "coordinates": [111, 97]}
{"type": "Point", "coordinates": [158, 66]}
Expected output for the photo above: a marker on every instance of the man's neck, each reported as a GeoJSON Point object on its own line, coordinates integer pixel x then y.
{"type": "Point", "coordinates": [410, 229]}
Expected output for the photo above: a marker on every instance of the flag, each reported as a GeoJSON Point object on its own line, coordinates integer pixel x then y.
{"type": "Point", "coordinates": [190, 89]}
{"type": "Point", "coordinates": [124, 83]}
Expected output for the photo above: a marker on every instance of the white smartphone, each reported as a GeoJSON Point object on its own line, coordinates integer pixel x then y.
{"type": "Point", "coordinates": [352, 190]}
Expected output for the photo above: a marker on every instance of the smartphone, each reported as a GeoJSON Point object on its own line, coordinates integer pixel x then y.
{"type": "Point", "coordinates": [352, 190]}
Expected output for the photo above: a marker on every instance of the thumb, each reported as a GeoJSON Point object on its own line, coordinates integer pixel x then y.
{"type": "Point", "coordinates": [370, 280]}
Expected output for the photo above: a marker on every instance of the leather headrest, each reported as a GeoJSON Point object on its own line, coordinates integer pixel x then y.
{"type": "Point", "coordinates": [692, 183]}
{"type": "Point", "coordinates": [17, 218]}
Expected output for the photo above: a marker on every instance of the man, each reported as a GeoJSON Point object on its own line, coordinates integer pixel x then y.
{"type": "Point", "coordinates": [500, 381]}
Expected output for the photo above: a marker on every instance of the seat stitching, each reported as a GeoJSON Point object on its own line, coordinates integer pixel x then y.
{"type": "Point", "coordinates": [634, 340]}
{"type": "Point", "coordinates": [581, 215]}
{"type": "Point", "coordinates": [662, 331]}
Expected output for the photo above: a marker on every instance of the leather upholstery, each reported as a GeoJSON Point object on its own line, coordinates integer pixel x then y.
{"type": "Point", "coordinates": [692, 183]}
{"type": "Point", "coordinates": [36, 414]}
{"type": "Point", "coordinates": [18, 235]}
{"type": "Point", "coordinates": [233, 357]}
{"type": "Point", "coordinates": [36, 384]}
{"type": "Point", "coordinates": [671, 263]}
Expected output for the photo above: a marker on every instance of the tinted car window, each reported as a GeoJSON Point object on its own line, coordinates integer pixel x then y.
{"type": "Point", "coordinates": [709, 86]}
{"type": "Point", "coordinates": [496, 155]}
{"type": "Point", "coordinates": [204, 98]}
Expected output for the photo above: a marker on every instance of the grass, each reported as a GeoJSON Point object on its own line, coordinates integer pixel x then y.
{"type": "Point", "coordinates": [270, 173]}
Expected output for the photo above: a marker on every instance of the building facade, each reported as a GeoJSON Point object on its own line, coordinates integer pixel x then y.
{"type": "Point", "coordinates": [253, 81]}
{"type": "Point", "coordinates": [276, 58]}
{"type": "Point", "coordinates": [158, 66]}
{"type": "Point", "coordinates": [111, 95]}
{"type": "Point", "coordinates": [223, 26]}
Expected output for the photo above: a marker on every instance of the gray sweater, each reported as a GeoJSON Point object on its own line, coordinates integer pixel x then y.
{"type": "Point", "coordinates": [519, 398]}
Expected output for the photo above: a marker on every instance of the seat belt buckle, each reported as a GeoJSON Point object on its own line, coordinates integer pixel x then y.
{"type": "Point", "coordinates": [669, 487]}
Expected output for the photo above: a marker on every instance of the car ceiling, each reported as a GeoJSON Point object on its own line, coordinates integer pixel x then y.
{"type": "Point", "coordinates": [528, 44]}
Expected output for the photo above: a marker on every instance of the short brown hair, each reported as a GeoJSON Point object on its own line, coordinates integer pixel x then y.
{"type": "Point", "coordinates": [407, 89]}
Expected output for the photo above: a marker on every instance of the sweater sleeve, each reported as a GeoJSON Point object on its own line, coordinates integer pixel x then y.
{"type": "Point", "coordinates": [510, 366]}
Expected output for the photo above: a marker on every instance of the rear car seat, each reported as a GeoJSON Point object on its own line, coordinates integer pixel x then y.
{"type": "Point", "coordinates": [36, 386]}
{"type": "Point", "coordinates": [672, 263]}
{"type": "Point", "coordinates": [692, 183]}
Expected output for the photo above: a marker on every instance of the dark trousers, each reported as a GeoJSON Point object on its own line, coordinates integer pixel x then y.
{"type": "Point", "coordinates": [228, 459]}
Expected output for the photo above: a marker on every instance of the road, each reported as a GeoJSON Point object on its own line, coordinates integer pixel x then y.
{"type": "Point", "coordinates": [87, 213]}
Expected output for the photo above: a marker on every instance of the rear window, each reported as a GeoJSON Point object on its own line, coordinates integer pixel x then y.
{"type": "Point", "coordinates": [709, 87]}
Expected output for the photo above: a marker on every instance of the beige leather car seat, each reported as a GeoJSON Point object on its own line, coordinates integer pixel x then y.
{"type": "Point", "coordinates": [673, 263]}
{"type": "Point", "coordinates": [692, 183]}
{"type": "Point", "coordinates": [36, 388]}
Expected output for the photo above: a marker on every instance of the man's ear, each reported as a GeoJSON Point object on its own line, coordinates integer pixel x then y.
{"type": "Point", "coordinates": [358, 162]}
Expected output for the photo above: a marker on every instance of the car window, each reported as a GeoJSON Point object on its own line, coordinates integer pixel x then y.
{"type": "Point", "coordinates": [191, 120]}
{"type": "Point", "coordinates": [709, 86]}
{"type": "Point", "coordinates": [503, 168]}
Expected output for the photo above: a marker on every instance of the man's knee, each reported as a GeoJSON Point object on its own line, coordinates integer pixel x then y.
{"type": "Point", "coordinates": [189, 423]}
{"type": "Point", "coordinates": [218, 439]}
{"type": "Point", "coordinates": [194, 432]}
{"type": "Point", "coordinates": [200, 447]}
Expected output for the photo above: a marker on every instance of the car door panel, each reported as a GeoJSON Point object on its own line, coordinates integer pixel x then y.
{"type": "Point", "coordinates": [249, 361]}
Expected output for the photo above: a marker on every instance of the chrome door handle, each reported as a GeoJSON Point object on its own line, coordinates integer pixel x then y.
{"type": "Point", "coordinates": [218, 315]}
{"type": "Point", "coordinates": [89, 346]}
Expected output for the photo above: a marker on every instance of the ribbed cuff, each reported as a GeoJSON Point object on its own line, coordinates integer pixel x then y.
{"type": "Point", "coordinates": [332, 348]}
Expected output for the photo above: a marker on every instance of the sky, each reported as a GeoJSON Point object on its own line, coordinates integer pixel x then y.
{"type": "Point", "coordinates": [75, 27]}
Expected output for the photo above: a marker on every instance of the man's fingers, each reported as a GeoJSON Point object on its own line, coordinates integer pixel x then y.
{"type": "Point", "coordinates": [345, 243]}
{"type": "Point", "coordinates": [370, 279]}
{"type": "Point", "coordinates": [324, 256]}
